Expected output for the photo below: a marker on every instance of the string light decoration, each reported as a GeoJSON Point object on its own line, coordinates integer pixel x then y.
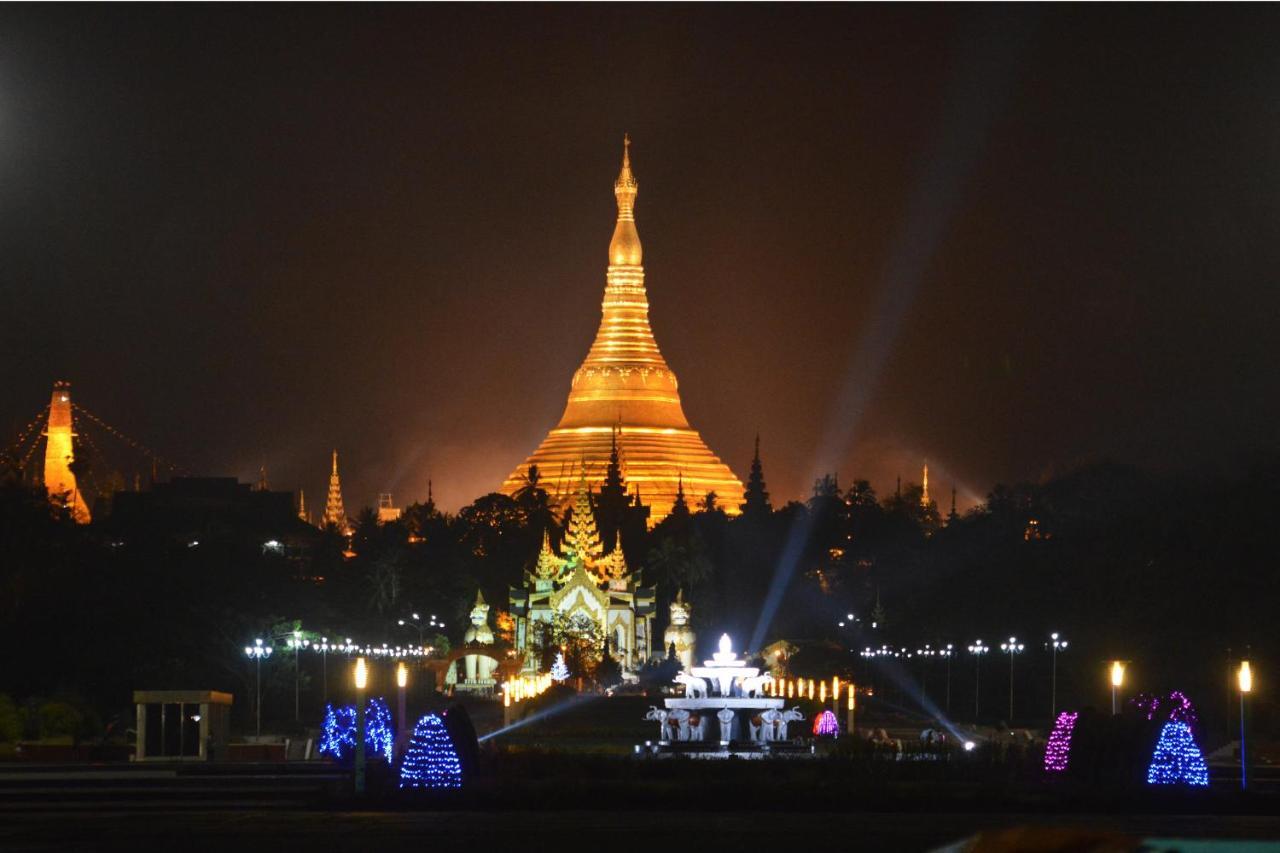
{"type": "Point", "coordinates": [338, 732]}
{"type": "Point", "coordinates": [379, 733]}
{"type": "Point", "coordinates": [1177, 759]}
{"type": "Point", "coordinates": [559, 671]}
{"type": "Point", "coordinates": [826, 725]}
{"type": "Point", "coordinates": [1057, 751]}
{"type": "Point", "coordinates": [1175, 707]}
{"type": "Point", "coordinates": [431, 761]}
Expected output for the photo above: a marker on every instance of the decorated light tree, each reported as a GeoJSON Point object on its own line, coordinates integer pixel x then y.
{"type": "Point", "coordinates": [431, 761]}
{"type": "Point", "coordinates": [1177, 759]}
{"type": "Point", "coordinates": [338, 732]}
{"type": "Point", "coordinates": [826, 725]}
{"type": "Point", "coordinates": [379, 733]}
{"type": "Point", "coordinates": [559, 671]}
{"type": "Point", "coordinates": [1057, 751]}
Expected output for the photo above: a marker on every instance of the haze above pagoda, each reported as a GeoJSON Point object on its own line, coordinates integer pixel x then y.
{"type": "Point", "coordinates": [625, 387]}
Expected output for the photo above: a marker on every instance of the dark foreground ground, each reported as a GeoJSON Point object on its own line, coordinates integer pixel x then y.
{"type": "Point", "coordinates": [598, 829]}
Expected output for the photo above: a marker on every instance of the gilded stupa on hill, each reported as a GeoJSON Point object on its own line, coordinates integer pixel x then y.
{"type": "Point", "coordinates": [624, 388]}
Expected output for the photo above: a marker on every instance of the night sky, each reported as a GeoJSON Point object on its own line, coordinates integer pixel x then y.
{"type": "Point", "coordinates": [1007, 240]}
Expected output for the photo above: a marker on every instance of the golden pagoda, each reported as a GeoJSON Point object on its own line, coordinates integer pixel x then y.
{"type": "Point", "coordinates": [59, 453]}
{"type": "Point", "coordinates": [624, 388]}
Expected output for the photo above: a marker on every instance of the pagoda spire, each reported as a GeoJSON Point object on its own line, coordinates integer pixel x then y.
{"type": "Point", "coordinates": [582, 539]}
{"type": "Point", "coordinates": [924, 494]}
{"type": "Point", "coordinates": [59, 455]}
{"type": "Point", "coordinates": [624, 248]}
{"type": "Point", "coordinates": [334, 512]}
{"type": "Point", "coordinates": [302, 506]}
{"type": "Point", "coordinates": [757, 498]}
{"type": "Point", "coordinates": [625, 388]}
{"type": "Point", "coordinates": [680, 508]}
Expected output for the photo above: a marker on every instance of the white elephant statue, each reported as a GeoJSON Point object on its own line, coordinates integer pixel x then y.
{"type": "Point", "coordinates": [792, 716]}
{"type": "Point", "coordinates": [698, 731]}
{"type": "Point", "coordinates": [771, 720]}
{"type": "Point", "coordinates": [753, 687]}
{"type": "Point", "coordinates": [694, 687]}
{"type": "Point", "coordinates": [725, 716]}
{"type": "Point", "coordinates": [656, 713]}
{"type": "Point", "coordinates": [679, 720]}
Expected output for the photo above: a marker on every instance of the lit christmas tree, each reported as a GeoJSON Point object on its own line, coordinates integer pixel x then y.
{"type": "Point", "coordinates": [431, 760]}
{"type": "Point", "coordinates": [338, 732]}
{"type": "Point", "coordinates": [1177, 759]}
{"type": "Point", "coordinates": [826, 725]}
{"type": "Point", "coordinates": [379, 734]}
{"type": "Point", "coordinates": [559, 671]}
{"type": "Point", "coordinates": [1057, 752]}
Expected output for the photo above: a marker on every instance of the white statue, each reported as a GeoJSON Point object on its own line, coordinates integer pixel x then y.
{"type": "Point", "coordinates": [479, 667]}
{"type": "Point", "coordinates": [792, 716]}
{"type": "Point", "coordinates": [699, 731]}
{"type": "Point", "coordinates": [656, 713]}
{"type": "Point", "coordinates": [772, 721]}
{"type": "Point", "coordinates": [678, 633]}
{"type": "Point", "coordinates": [694, 687]}
{"type": "Point", "coordinates": [725, 716]}
{"type": "Point", "coordinates": [754, 687]}
{"type": "Point", "coordinates": [679, 720]}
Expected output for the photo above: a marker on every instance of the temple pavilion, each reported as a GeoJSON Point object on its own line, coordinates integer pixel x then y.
{"type": "Point", "coordinates": [625, 392]}
{"type": "Point", "coordinates": [588, 587]}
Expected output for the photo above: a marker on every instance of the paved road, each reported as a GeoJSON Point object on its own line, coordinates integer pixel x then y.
{"type": "Point", "coordinates": [317, 832]}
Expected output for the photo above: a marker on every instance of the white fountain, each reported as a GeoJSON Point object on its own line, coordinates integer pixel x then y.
{"type": "Point", "coordinates": [733, 692]}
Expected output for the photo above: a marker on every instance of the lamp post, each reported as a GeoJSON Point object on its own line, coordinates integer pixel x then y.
{"type": "Point", "coordinates": [1244, 677]}
{"type": "Point", "coordinates": [324, 670]}
{"type": "Point", "coordinates": [402, 681]}
{"type": "Point", "coordinates": [416, 620]}
{"type": "Point", "coordinates": [296, 642]}
{"type": "Point", "coordinates": [1117, 681]}
{"type": "Point", "coordinates": [1011, 648]}
{"type": "Point", "coordinates": [362, 681]}
{"type": "Point", "coordinates": [977, 649]}
{"type": "Point", "coordinates": [1056, 644]}
{"type": "Point", "coordinates": [946, 653]}
{"type": "Point", "coordinates": [256, 653]}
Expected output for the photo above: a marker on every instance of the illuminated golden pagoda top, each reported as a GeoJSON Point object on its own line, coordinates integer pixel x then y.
{"type": "Point", "coordinates": [625, 389]}
{"type": "Point", "coordinates": [625, 248]}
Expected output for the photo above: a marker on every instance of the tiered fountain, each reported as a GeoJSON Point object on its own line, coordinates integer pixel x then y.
{"type": "Point", "coordinates": [723, 709]}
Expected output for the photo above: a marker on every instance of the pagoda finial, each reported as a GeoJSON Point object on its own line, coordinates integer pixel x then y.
{"type": "Point", "coordinates": [624, 248]}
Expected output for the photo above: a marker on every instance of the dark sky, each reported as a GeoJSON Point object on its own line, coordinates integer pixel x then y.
{"type": "Point", "coordinates": [1008, 240]}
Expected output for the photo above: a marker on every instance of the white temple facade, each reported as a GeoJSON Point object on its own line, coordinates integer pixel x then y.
{"type": "Point", "coordinates": [587, 586]}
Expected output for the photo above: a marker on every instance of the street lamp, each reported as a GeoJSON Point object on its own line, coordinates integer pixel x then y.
{"type": "Point", "coordinates": [324, 670]}
{"type": "Point", "coordinates": [296, 642]}
{"type": "Point", "coordinates": [1117, 681]}
{"type": "Point", "coordinates": [256, 653]}
{"type": "Point", "coordinates": [362, 681]}
{"type": "Point", "coordinates": [402, 681]}
{"type": "Point", "coordinates": [1012, 648]}
{"type": "Point", "coordinates": [416, 621]}
{"type": "Point", "coordinates": [977, 649]}
{"type": "Point", "coordinates": [1244, 678]}
{"type": "Point", "coordinates": [946, 653]}
{"type": "Point", "coordinates": [1057, 644]}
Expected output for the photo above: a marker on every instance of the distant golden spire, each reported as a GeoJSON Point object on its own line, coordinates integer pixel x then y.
{"type": "Point", "coordinates": [924, 494]}
{"type": "Point", "coordinates": [624, 248]}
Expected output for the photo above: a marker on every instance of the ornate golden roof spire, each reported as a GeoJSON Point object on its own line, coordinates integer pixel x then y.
{"type": "Point", "coordinates": [624, 248]}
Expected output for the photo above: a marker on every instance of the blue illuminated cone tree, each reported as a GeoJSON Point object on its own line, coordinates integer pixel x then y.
{"type": "Point", "coordinates": [1177, 759]}
{"type": "Point", "coordinates": [431, 761]}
